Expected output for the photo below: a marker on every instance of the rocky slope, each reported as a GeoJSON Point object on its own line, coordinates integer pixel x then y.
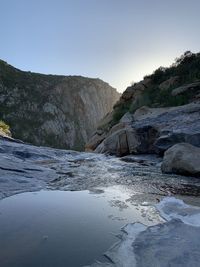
{"type": "Point", "coordinates": [51, 110]}
{"type": "Point", "coordinates": [154, 114]}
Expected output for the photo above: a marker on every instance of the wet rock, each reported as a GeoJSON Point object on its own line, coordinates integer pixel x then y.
{"type": "Point", "coordinates": [183, 159]}
{"type": "Point", "coordinates": [147, 160]}
{"type": "Point", "coordinates": [34, 168]}
{"type": "Point", "coordinates": [160, 245]}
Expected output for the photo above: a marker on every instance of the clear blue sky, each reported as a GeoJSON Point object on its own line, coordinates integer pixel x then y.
{"type": "Point", "coordinates": [118, 41]}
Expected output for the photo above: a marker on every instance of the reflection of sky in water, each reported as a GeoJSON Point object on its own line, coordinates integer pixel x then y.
{"type": "Point", "coordinates": [53, 228]}
{"type": "Point", "coordinates": [174, 242]}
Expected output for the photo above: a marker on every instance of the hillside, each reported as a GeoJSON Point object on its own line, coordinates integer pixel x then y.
{"type": "Point", "coordinates": [53, 110]}
{"type": "Point", "coordinates": [158, 89]}
{"type": "Point", "coordinates": [154, 114]}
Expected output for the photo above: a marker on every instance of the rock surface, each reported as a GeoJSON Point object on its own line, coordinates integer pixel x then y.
{"type": "Point", "coordinates": [153, 130]}
{"type": "Point", "coordinates": [52, 110]}
{"type": "Point", "coordinates": [183, 159]}
{"type": "Point", "coordinates": [187, 88]}
{"type": "Point", "coordinates": [25, 168]}
{"type": "Point", "coordinates": [171, 82]}
{"type": "Point", "coordinates": [162, 110]}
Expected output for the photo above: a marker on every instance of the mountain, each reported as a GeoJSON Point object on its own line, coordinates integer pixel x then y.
{"type": "Point", "coordinates": [53, 110]}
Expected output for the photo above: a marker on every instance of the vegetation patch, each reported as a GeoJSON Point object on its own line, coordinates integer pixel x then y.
{"type": "Point", "coordinates": [4, 128]}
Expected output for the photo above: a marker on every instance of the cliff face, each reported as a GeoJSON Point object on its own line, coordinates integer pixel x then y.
{"type": "Point", "coordinates": [51, 110]}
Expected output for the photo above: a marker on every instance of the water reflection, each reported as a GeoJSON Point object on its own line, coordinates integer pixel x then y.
{"type": "Point", "coordinates": [55, 228]}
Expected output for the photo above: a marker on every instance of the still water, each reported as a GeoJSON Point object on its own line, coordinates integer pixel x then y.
{"type": "Point", "coordinates": [62, 229]}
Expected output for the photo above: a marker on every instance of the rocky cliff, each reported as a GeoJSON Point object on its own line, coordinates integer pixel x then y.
{"type": "Point", "coordinates": [52, 110]}
{"type": "Point", "coordinates": [153, 115]}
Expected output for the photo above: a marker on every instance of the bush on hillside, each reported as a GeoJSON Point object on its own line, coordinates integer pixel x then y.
{"type": "Point", "coordinates": [186, 67]}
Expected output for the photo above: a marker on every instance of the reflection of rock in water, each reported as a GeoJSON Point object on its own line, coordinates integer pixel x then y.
{"type": "Point", "coordinates": [173, 243]}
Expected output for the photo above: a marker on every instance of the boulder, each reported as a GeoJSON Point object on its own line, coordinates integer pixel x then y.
{"type": "Point", "coordinates": [127, 118]}
{"type": "Point", "coordinates": [146, 112]}
{"type": "Point", "coordinates": [172, 81]}
{"type": "Point", "coordinates": [94, 141]}
{"type": "Point", "coordinates": [146, 135]}
{"type": "Point", "coordinates": [133, 93]}
{"type": "Point", "coordinates": [186, 88]}
{"type": "Point", "coordinates": [133, 90]}
{"type": "Point", "coordinates": [182, 159]}
{"type": "Point", "coordinates": [169, 139]}
{"type": "Point", "coordinates": [129, 141]}
{"type": "Point", "coordinates": [116, 127]}
{"type": "Point", "coordinates": [120, 143]}
{"type": "Point", "coordinates": [173, 125]}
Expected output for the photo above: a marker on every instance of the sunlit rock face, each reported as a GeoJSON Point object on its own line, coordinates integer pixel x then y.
{"type": "Point", "coordinates": [52, 110]}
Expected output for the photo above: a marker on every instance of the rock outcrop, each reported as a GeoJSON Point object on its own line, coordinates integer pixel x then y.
{"type": "Point", "coordinates": [52, 110]}
{"type": "Point", "coordinates": [172, 81]}
{"type": "Point", "coordinates": [151, 130]}
{"type": "Point", "coordinates": [188, 88]}
{"type": "Point", "coordinates": [183, 159]}
{"type": "Point", "coordinates": [154, 114]}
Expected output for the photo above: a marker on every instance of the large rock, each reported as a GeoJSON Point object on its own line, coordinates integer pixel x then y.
{"type": "Point", "coordinates": [94, 141]}
{"type": "Point", "coordinates": [168, 139]}
{"type": "Point", "coordinates": [133, 93]}
{"type": "Point", "coordinates": [172, 81]}
{"type": "Point", "coordinates": [157, 129]}
{"type": "Point", "coordinates": [52, 110]}
{"type": "Point", "coordinates": [128, 140]}
{"type": "Point", "coordinates": [120, 143]}
{"type": "Point", "coordinates": [148, 113]}
{"type": "Point", "coordinates": [105, 130]}
{"type": "Point", "coordinates": [183, 159]}
{"type": "Point", "coordinates": [187, 89]}
{"type": "Point", "coordinates": [174, 125]}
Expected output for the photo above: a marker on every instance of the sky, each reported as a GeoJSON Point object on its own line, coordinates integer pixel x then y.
{"type": "Point", "coordinates": [118, 41]}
